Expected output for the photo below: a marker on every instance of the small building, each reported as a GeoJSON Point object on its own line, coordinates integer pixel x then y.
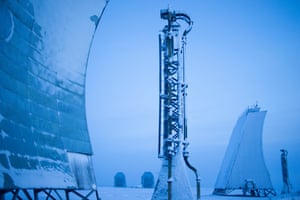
{"type": "Point", "coordinates": [147, 180]}
{"type": "Point", "coordinates": [120, 180]}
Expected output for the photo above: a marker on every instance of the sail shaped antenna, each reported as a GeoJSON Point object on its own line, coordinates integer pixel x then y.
{"type": "Point", "coordinates": [243, 171]}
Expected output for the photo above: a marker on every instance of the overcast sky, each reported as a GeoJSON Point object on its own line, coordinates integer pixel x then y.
{"type": "Point", "coordinates": [238, 53]}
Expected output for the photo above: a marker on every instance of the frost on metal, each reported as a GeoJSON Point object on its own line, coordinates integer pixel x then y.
{"type": "Point", "coordinates": [172, 182]}
{"type": "Point", "coordinates": [44, 49]}
{"type": "Point", "coordinates": [243, 170]}
{"type": "Point", "coordinates": [181, 189]}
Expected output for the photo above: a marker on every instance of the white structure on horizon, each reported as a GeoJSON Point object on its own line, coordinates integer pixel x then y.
{"type": "Point", "coordinates": [243, 171]}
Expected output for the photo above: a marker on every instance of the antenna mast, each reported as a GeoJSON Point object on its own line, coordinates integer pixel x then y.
{"type": "Point", "coordinates": [287, 186]}
{"type": "Point", "coordinates": [172, 133]}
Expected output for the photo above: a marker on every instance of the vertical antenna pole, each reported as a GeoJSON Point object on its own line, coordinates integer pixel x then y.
{"type": "Point", "coordinates": [172, 131]}
{"type": "Point", "coordinates": [287, 187]}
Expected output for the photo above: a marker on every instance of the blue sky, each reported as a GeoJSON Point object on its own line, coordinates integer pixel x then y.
{"type": "Point", "coordinates": [238, 53]}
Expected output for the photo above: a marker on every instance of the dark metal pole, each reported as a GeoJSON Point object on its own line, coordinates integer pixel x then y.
{"type": "Point", "coordinates": [170, 180]}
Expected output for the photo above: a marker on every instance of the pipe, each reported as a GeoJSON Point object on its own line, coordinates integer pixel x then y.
{"type": "Point", "coordinates": [160, 90]}
{"type": "Point", "coordinates": [185, 157]}
{"type": "Point", "coordinates": [187, 19]}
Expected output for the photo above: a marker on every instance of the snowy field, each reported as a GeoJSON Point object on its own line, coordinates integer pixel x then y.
{"type": "Point", "coordinates": [112, 193]}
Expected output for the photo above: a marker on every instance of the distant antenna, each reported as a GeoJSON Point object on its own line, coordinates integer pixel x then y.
{"type": "Point", "coordinates": [287, 187]}
{"type": "Point", "coordinates": [243, 171]}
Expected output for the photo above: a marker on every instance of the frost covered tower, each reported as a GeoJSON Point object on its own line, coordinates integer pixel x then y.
{"type": "Point", "coordinates": [243, 171]}
{"type": "Point", "coordinates": [45, 149]}
{"type": "Point", "coordinates": [172, 182]}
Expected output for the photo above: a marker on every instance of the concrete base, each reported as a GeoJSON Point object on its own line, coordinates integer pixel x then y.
{"type": "Point", "coordinates": [181, 189]}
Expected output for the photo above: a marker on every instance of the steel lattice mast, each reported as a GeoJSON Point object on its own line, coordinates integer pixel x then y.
{"type": "Point", "coordinates": [172, 119]}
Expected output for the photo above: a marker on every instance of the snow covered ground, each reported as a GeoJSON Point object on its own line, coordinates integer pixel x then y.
{"type": "Point", "coordinates": [113, 193]}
